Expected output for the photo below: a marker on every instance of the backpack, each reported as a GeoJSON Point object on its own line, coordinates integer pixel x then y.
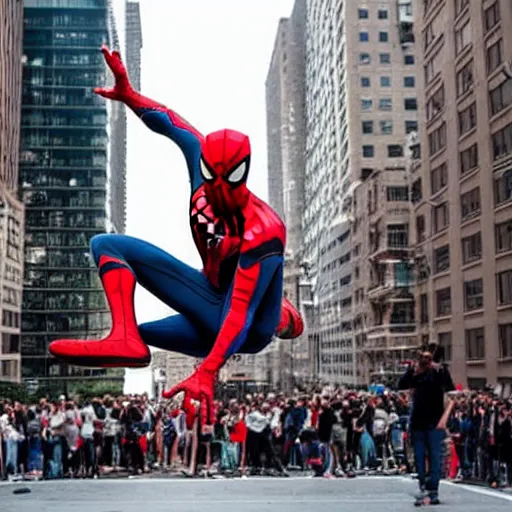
{"type": "Point", "coordinates": [169, 430]}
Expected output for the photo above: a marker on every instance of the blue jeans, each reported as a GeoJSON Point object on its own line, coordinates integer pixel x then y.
{"type": "Point", "coordinates": [428, 443]}
{"type": "Point", "coordinates": [35, 454]}
{"type": "Point", "coordinates": [11, 456]}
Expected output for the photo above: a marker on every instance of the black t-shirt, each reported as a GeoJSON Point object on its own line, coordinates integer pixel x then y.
{"type": "Point", "coordinates": [325, 422]}
{"type": "Point", "coordinates": [428, 395]}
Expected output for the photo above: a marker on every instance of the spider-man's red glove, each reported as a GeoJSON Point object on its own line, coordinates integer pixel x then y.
{"type": "Point", "coordinates": [122, 88]}
{"type": "Point", "coordinates": [199, 386]}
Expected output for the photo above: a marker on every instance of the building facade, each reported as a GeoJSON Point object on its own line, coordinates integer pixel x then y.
{"type": "Point", "coordinates": [11, 209]}
{"type": "Point", "coordinates": [133, 32]}
{"type": "Point", "coordinates": [63, 176]}
{"type": "Point", "coordinates": [361, 101]}
{"type": "Point", "coordinates": [464, 294]}
{"type": "Point", "coordinates": [117, 148]}
{"type": "Point", "coordinates": [286, 129]}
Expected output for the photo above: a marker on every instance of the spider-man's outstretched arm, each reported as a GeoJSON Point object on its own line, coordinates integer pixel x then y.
{"type": "Point", "coordinates": [257, 267]}
{"type": "Point", "coordinates": [156, 116]}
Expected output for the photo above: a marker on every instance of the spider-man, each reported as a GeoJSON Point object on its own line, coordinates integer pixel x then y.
{"type": "Point", "coordinates": [235, 304]}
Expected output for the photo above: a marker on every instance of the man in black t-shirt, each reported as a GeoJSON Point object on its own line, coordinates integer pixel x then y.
{"type": "Point", "coordinates": [428, 382]}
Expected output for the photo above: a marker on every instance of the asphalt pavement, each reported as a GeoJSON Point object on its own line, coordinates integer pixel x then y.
{"type": "Point", "coordinates": [363, 494]}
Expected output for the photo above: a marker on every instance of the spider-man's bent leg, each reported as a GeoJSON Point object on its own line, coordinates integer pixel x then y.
{"type": "Point", "coordinates": [122, 261]}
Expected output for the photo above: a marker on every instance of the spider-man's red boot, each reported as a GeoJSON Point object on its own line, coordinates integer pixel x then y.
{"type": "Point", "coordinates": [123, 347]}
{"type": "Point", "coordinates": [291, 325]}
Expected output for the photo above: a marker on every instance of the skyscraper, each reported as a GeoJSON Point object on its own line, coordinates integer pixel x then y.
{"type": "Point", "coordinates": [63, 176]}
{"type": "Point", "coordinates": [286, 131]}
{"type": "Point", "coordinates": [463, 208]}
{"type": "Point", "coordinates": [117, 148]}
{"type": "Point", "coordinates": [133, 31]}
{"type": "Point", "coordinates": [11, 209]}
{"type": "Point", "coordinates": [360, 102]}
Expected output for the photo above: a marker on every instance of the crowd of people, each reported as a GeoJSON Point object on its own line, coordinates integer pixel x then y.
{"type": "Point", "coordinates": [331, 434]}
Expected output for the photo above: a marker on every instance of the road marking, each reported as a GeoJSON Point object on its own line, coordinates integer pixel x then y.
{"type": "Point", "coordinates": [479, 490]}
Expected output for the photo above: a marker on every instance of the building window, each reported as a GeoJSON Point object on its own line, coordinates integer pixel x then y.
{"type": "Point", "coordinates": [367, 127]}
{"type": "Point", "coordinates": [368, 151]}
{"type": "Point", "coordinates": [383, 37]}
{"type": "Point", "coordinates": [395, 151]}
{"type": "Point", "coordinates": [386, 127]}
{"type": "Point", "coordinates": [492, 16]}
{"type": "Point", "coordinates": [435, 103]}
{"type": "Point", "coordinates": [500, 97]}
{"type": "Point", "coordinates": [465, 79]}
{"type": "Point", "coordinates": [463, 38]}
{"type": "Point", "coordinates": [503, 188]}
{"type": "Point", "coordinates": [398, 236]}
{"type": "Point", "coordinates": [443, 302]}
{"type": "Point", "coordinates": [437, 140]}
{"type": "Point", "coordinates": [473, 295]}
{"type": "Point", "coordinates": [363, 14]}
{"type": "Point", "coordinates": [469, 159]}
{"type": "Point", "coordinates": [444, 341]}
{"type": "Point", "coordinates": [366, 104]}
{"type": "Point", "coordinates": [467, 119]}
{"type": "Point", "coordinates": [460, 5]}
{"type": "Point", "coordinates": [409, 60]}
{"type": "Point", "coordinates": [441, 217]}
{"type": "Point", "coordinates": [383, 14]}
{"type": "Point", "coordinates": [385, 81]}
{"type": "Point", "coordinates": [505, 336]}
{"type": "Point", "coordinates": [364, 37]}
{"type": "Point", "coordinates": [475, 344]}
{"type": "Point", "coordinates": [438, 178]}
{"type": "Point", "coordinates": [423, 309]}
{"type": "Point", "coordinates": [472, 248]}
{"type": "Point", "coordinates": [364, 58]}
{"type": "Point", "coordinates": [503, 233]}
{"type": "Point", "coordinates": [365, 81]}
{"type": "Point", "coordinates": [420, 228]}
{"type": "Point", "coordinates": [502, 142]}
{"type": "Point", "coordinates": [398, 193]}
{"type": "Point", "coordinates": [385, 58]}
{"type": "Point", "coordinates": [409, 81]}
{"type": "Point", "coordinates": [411, 104]}
{"type": "Point", "coordinates": [470, 204]}
{"type": "Point", "coordinates": [504, 287]}
{"type": "Point", "coordinates": [416, 191]}
{"type": "Point", "coordinates": [433, 67]}
{"type": "Point", "coordinates": [442, 259]}
{"type": "Point", "coordinates": [494, 56]}
{"type": "Point", "coordinates": [385, 104]}
{"type": "Point", "coordinates": [411, 126]}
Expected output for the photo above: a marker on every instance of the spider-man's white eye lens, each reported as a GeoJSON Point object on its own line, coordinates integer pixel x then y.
{"type": "Point", "coordinates": [238, 174]}
{"type": "Point", "coordinates": [205, 172]}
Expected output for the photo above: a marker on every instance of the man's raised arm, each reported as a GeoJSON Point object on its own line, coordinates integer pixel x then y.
{"type": "Point", "coordinates": [157, 117]}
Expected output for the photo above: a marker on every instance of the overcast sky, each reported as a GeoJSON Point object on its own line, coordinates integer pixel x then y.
{"type": "Point", "coordinates": [208, 60]}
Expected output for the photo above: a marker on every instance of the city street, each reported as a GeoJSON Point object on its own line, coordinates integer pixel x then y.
{"type": "Point", "coordinates": [362, 494]}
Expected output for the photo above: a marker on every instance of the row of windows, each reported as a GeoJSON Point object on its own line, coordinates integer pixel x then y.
{"type": "Point", "coordinates": [472, 249]}
{"type": "Point", "coordinates": [501, 140]}
{"type": "Point", "coordinates": [473, 292]}
{"type": "Point", "coordinates": [393, 151]}
{"type": "Point", "coordinates": [364, 14]}
{"type": "Point", "coordinates": [386, 81]}
{"type": "Point", "coordinates": [475, 341]}
{"type": "Point", "coordinates": [384, 58]}
{"type": "Point", "coordinates": [364, 37]}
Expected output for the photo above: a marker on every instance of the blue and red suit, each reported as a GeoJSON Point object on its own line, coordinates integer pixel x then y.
{"type": "Point", "coordinates": [236, 304]}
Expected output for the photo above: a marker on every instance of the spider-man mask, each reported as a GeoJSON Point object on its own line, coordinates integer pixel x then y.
{"type": "Point", "coordinates": [224, 165]}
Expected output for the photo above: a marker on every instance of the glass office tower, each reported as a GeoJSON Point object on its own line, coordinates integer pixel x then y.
{"type": "Point", "coordinates": [63, 178]}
